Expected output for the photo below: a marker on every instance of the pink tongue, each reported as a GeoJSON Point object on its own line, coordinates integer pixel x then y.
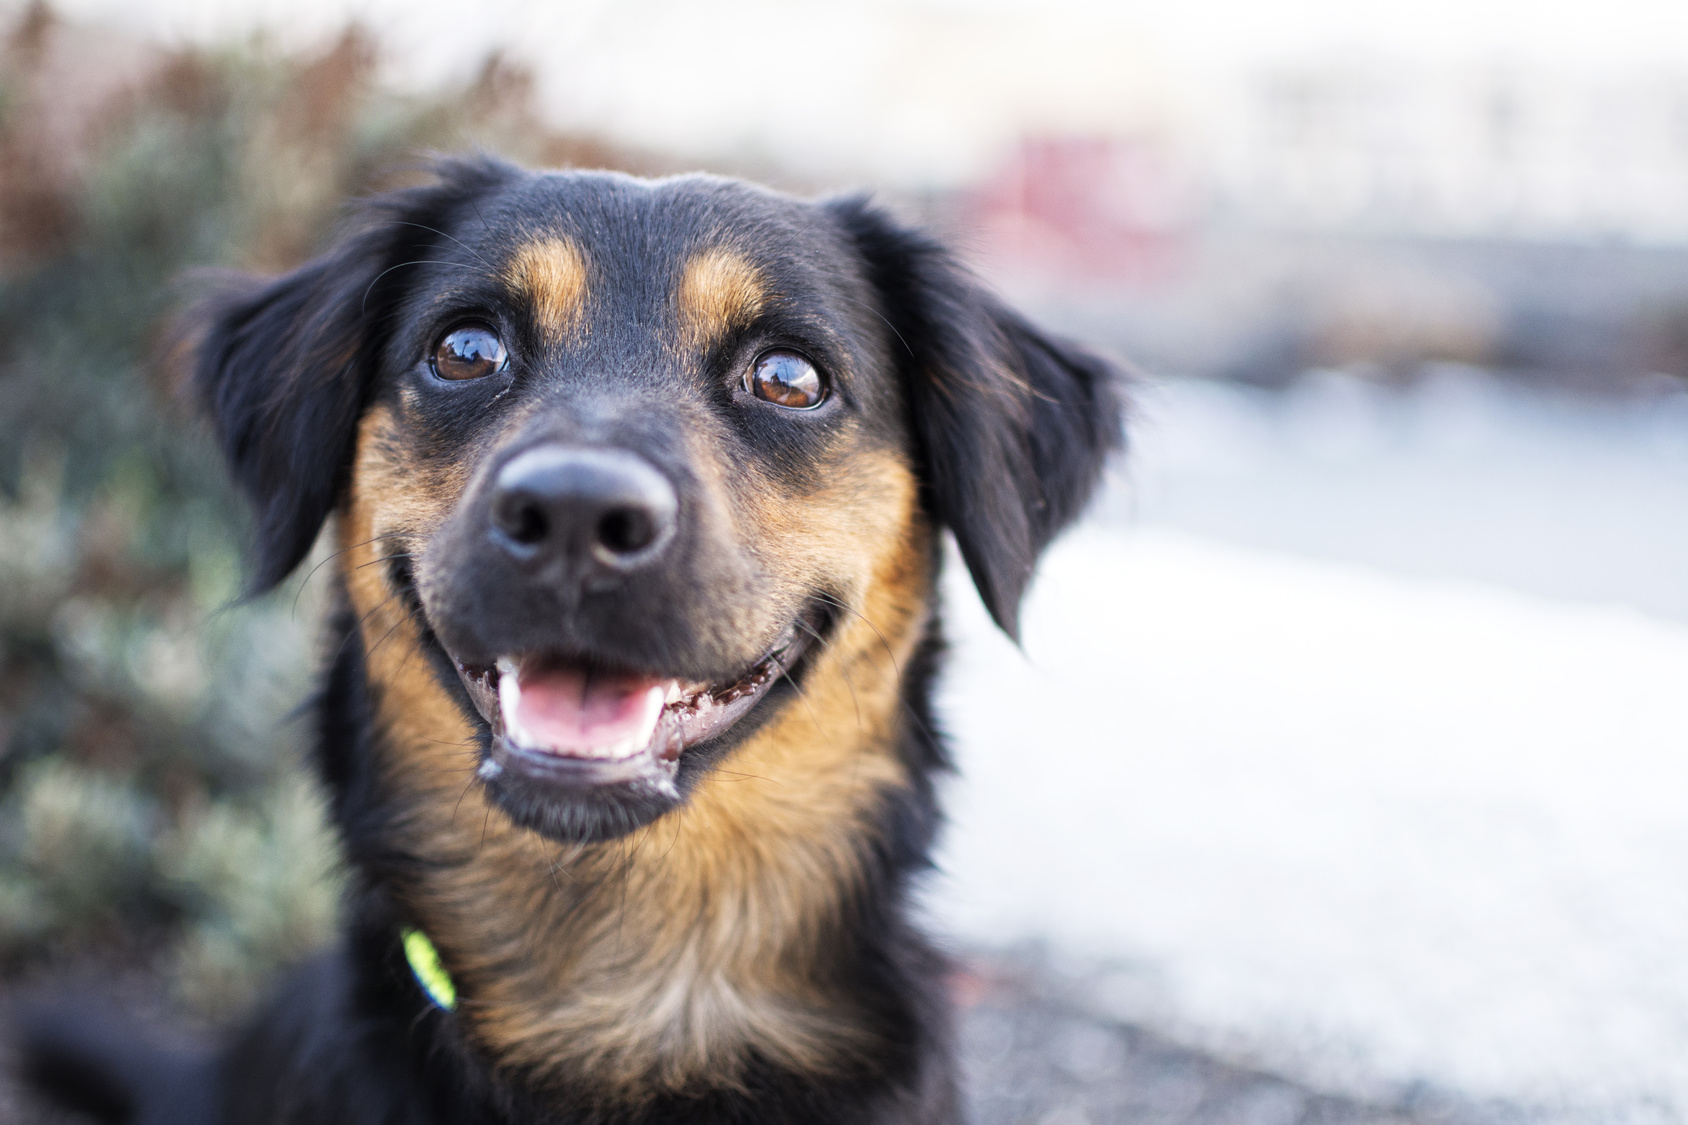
{"type": "Point", "coordinates": [570, 709]}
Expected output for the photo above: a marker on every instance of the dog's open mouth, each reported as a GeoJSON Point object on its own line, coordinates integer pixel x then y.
{"type": "Point", "coordinates": [587, 725]}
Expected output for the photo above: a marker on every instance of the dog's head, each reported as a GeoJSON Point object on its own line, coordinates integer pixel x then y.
{"type": "Point", "coordinates": [628, 456]}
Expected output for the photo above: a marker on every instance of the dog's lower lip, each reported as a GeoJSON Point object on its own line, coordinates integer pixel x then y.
{"type": "Point", "coordinates": [691, 711]}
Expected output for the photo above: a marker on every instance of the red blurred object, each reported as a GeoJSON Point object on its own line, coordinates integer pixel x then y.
{"type": "Point", "coordinates": [1087, 208]}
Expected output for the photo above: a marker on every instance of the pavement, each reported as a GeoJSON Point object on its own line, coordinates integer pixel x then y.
{"type": "Point", "coordinates": [1035, 1054]}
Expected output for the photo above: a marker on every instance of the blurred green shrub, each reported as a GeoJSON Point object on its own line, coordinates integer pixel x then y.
{"type": "Point", "coordinates": [152, 811]}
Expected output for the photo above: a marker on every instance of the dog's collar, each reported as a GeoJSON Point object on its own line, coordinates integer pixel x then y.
{"type": "Point", "coordinates": [425, 964]}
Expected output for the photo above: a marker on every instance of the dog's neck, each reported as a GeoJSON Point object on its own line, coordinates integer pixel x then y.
{"type": "Point", "coordinates": [716, 934]}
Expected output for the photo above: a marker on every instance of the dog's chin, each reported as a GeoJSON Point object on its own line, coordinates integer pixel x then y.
{"type": "Point", "coordinates": [580, 752]}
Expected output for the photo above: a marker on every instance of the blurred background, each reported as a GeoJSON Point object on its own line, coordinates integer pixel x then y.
{"type": "Point", "coordinates": [1343, 775]}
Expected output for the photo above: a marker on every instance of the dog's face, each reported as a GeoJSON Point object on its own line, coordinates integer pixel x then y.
{"type": "Point", "coordinates": [629, 456]}
{"type": "Point", "coordinates": [630, 449]}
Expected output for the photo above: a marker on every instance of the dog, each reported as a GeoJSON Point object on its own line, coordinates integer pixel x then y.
{"type": "Point", "coordinates": [638, 489]}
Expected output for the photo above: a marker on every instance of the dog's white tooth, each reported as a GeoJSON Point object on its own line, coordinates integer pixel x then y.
{"type": "Point", "coordinates": [509, 695]}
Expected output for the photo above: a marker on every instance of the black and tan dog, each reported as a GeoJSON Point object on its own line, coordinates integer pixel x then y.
{"type": "Point", "coordinates": [638, 489]}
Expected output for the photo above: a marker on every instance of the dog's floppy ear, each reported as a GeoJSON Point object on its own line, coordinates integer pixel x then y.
{"type": "Point", "coordinates": [1014, 425]}
{"type": "Point", "coordinates": [283, 366]}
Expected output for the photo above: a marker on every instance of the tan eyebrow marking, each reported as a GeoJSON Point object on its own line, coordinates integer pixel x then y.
{"type": "Point", "coordinates": [719, 290]}
{"type": "Point", "coordinates": [551, 272]}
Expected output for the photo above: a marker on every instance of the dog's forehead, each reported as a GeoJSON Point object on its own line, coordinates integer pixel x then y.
{"type": "Point", "coordinates": [703, 253]}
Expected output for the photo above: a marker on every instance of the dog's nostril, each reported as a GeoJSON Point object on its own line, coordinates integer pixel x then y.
{"type": "Point", "coordinates": [625, 531]}
{"type": "Point", "coordinates": [523, 519]}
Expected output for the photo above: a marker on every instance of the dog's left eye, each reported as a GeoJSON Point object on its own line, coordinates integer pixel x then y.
{"type": "Point", "coordinates": [785, 379]}
{"type": "Point", "coordinates": [469, 352]}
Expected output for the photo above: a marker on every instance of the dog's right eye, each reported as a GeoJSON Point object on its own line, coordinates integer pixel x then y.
{"type": "Point", "coordinates": [786, 379]}
{"type": "Point", "coordinates": [470, 352]}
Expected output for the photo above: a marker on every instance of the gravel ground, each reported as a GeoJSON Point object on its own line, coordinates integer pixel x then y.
{"type": "Point", "coordinates": [1033, 1056]}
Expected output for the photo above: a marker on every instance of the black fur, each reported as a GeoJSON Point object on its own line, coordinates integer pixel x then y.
{"type": "Point", "coordinates": [1014, 424]}
{"type": "Point", "coordinates": [284, 367]}
{"type": "Point", "coordinates": [83, 1055]}
{"type": "Point", "coordinates": [1010, 429]}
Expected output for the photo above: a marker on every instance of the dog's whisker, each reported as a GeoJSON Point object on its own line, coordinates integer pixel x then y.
{"type": "Point", "coordinates": [416, 618]}
{"type": "Point", "coordinates": [890, 653]}
{"type": "Point", "coordinates": [626, 871]}
{"type": "Point", "coordinates": [386, 559]}
{"type": "Point", "coordinates": [363, 308]}
{"type": "Point", "coordinates": [457, 769]}
{"type": "Point", "coordinates": [881, 316]}
{"type": "Point", "coordinates": [855, 700]}
{"type": "Point", "coordinates": [408, 618]}
{"type": "Point", "coordinates": [332, 555]}
{"type": "Point", "coordinates": [736, 775]}
{"type": "Point", "coordinates": [801, 694]}
{"type": "Point", "coordinates": [578, 849]}
{"type": "Point", "coordinates": [467, 786]}
{"type": "Point", "coordinates": [468, 741]}
{"type": "Point", "coordinates": [639, 839]}
{"type": "Point", "coordinates": [356, 632]}
{"type": "Point", "coordinates": [552, 871]}
{"type": "Point", "coordinates": [675, 839]}
{"type": "Point", "coordinates": [849, 681]}
{"type": "Point", "coordinates": [434, 230]}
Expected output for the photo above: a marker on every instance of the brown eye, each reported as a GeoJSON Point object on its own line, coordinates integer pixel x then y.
{"type": "Point", "coordinates": [786, 379]}
{"type": "Point", "coordinates": [469, 352]}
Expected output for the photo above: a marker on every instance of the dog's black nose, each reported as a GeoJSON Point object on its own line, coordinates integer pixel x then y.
{"type": "Point", "coordinates": [584, 508]}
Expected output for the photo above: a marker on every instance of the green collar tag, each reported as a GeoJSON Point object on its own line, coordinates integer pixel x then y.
{"type": "Point", "coordinates": [425, 963]}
